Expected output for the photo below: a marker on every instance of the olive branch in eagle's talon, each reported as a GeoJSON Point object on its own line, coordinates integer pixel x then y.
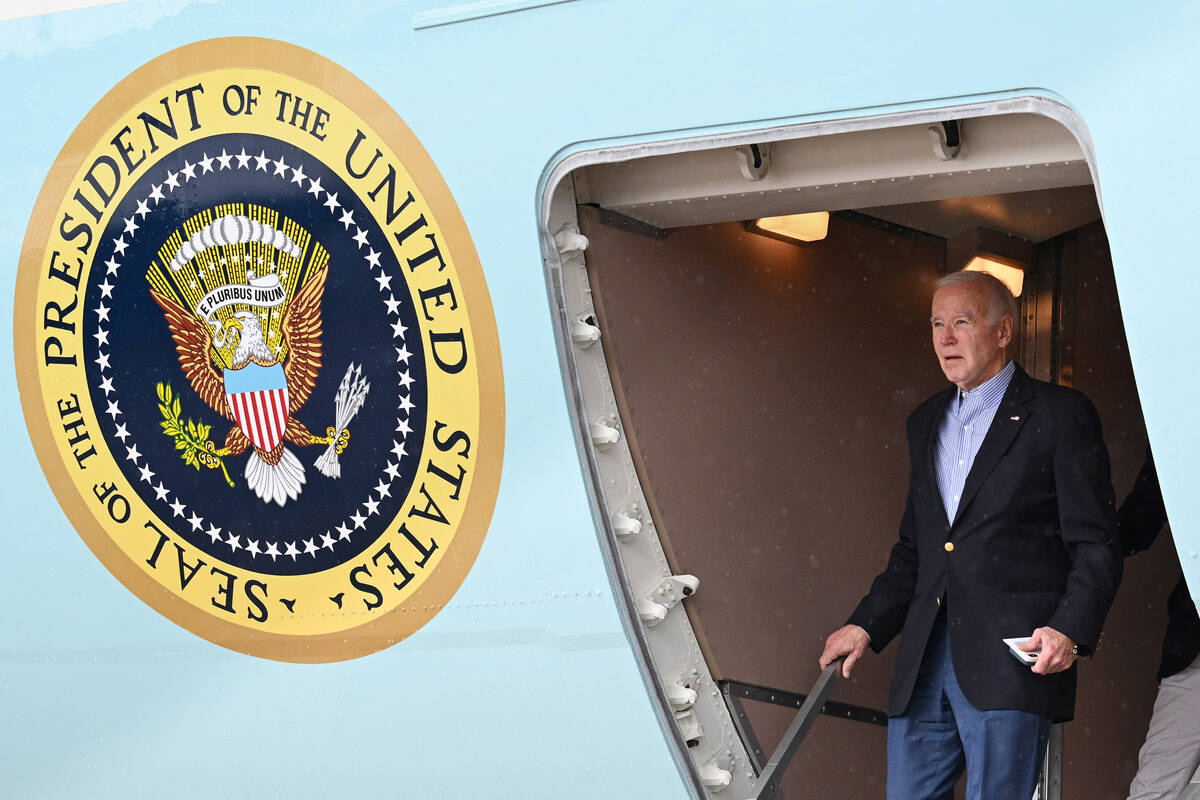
{"type": "Point", "coordinates": [190, 436]}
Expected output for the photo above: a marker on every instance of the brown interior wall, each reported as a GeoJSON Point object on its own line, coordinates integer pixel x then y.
{"type": "Point", "coordinates": [1117, 688]}
{"type": "Point", "coordinates": [767, 387]}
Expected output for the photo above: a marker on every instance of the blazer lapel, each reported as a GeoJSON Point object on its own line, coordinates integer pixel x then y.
{"type": "Point", "coordinates": [1010, 416]}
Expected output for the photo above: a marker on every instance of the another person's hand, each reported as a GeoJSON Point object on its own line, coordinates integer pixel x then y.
{"type": "Point", "coordinates": [850, 641]}
{"type": "Point", "coordinates": [1058, 651]}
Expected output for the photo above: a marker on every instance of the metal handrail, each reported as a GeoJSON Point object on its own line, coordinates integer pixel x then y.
{"type": "Point", "coordinates": [767, 785]}
{"type": "Point", "coordinates": [1050, 783]}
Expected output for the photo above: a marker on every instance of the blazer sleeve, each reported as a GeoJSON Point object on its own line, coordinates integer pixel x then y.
{"type": "Point", "coordinates": [1087, 524]}
{"type": "Point", "coordinates": [882, 612]}
{"type": "Point", "coordinates": [1142, 515]}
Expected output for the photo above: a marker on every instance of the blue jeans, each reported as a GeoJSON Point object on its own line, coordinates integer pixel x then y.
{"type": "Point", "coordinates": [941, 733]}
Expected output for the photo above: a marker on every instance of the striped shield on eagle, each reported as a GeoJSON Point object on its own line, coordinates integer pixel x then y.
{"type": "Point", "coordinates": [258, 397]}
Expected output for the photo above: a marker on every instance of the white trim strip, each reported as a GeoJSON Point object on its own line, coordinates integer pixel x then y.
{"type": "Point", "coordinates": [23, 9]}
{"type": "Point", "coordinates": [469, 11]}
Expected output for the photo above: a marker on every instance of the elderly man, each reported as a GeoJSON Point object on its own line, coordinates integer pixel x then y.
{"type": "Point", "coordinates": [1009, 531]}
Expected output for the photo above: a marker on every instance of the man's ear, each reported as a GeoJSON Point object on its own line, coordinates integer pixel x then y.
{"type": "Point", "coordinates": [1006, 330]}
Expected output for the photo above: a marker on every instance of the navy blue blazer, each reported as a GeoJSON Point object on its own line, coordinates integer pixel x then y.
{"type": "Point", "coordinates": [1033, 543]}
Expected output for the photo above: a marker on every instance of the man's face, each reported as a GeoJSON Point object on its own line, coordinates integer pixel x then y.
{"type": "Point", "coordinates": [969, 346]}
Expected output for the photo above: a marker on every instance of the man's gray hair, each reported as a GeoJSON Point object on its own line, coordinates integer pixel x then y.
{"type": "Point", "coordinates": [1000, 300]}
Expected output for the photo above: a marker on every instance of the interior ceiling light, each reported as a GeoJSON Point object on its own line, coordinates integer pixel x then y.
{"type": "Point", "coordinates": [811, 227]}
{"type": "Point", "coordinates": [1008, 271]}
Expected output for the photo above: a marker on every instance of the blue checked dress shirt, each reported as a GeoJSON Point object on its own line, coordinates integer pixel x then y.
{"type": "Point", "coordinates": [968, 417]}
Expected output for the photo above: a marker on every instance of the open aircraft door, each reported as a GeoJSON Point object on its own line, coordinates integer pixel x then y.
{"type": "Point", "coordinates": [740, 404]}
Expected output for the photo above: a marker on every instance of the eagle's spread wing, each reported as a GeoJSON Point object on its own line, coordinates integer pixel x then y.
{"type": "Point", "coordinates": [302, 333]}
{"type": "Point", "coordinates": [194, 341]}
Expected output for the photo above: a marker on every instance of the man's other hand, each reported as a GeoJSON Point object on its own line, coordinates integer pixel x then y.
{"type": "Point", "coordinates": [850, 641]}
{"type": "Point", "coordinates": [1058, 651]}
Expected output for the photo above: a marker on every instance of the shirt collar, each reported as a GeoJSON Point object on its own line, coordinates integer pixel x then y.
{"type": "Point", "coordinates": [990, 391]}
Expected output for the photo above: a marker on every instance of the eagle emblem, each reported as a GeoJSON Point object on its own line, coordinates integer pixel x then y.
{"type": "Point", "coordinates": [250, 348]}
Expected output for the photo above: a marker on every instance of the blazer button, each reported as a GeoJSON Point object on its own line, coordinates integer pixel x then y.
{"type": "Point", "coordinates": [949, 547]}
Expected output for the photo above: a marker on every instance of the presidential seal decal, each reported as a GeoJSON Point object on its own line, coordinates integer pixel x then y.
{"type": "Point", "coordinates": [257, 355]}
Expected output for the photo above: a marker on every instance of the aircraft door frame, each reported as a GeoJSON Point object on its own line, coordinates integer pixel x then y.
{"type": "Point", "coordinates": [703, 736]}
